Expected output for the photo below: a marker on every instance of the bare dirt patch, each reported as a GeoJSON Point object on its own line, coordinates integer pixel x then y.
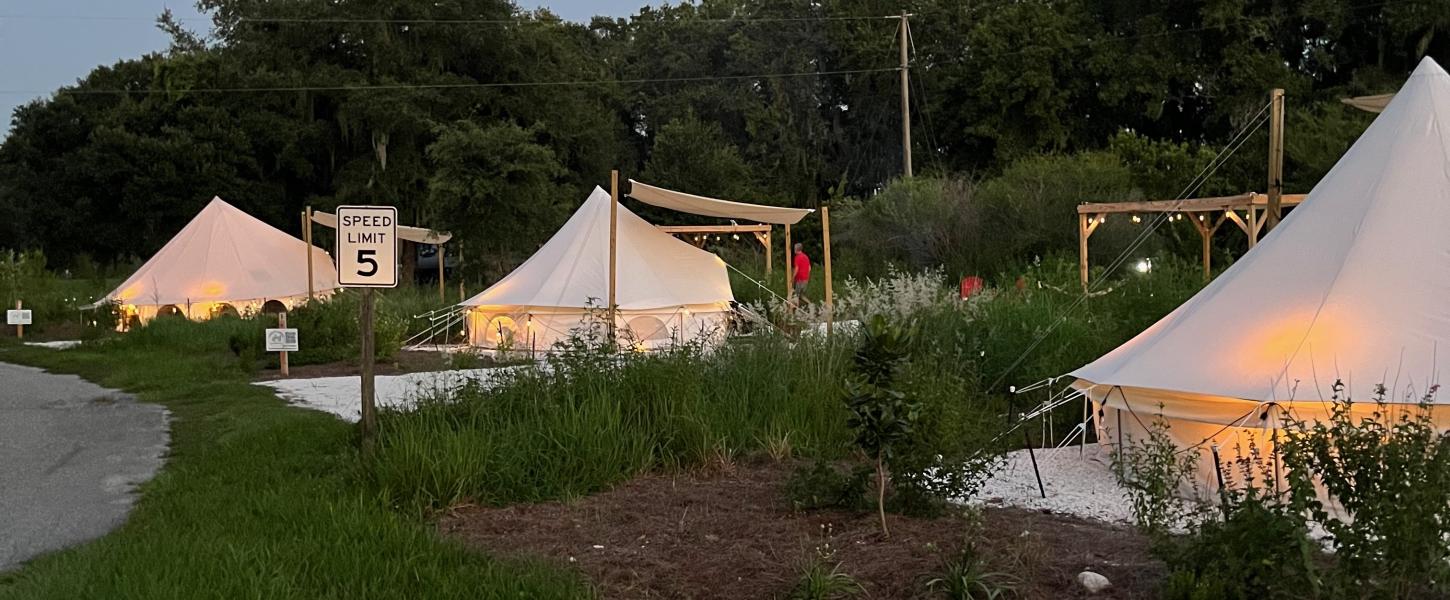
{"type": "Point", "coordinates": [734, 535]}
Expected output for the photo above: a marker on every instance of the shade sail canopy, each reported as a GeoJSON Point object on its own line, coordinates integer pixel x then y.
{"type": "Point", "coordinates": [413, 234]}
{"type": "Point", "coordinates": [1351, 286]}
{"type": "Point", "coordinates": [1374, 104]}
{"type": "Point", "coordinates": [571, 270]}
{"type": "Point", "coordinates": [226, 255]}
{"type": "Point", "coordinates": [711, 207]}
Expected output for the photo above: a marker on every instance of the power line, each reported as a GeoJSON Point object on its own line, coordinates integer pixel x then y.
{"type": "Point", "coordinates": [455, 86]}
{"type": "Point", "coordinates": [427, 21]}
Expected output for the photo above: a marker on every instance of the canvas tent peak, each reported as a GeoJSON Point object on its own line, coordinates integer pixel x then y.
{"type": "Point", "coordinates": [714, 207]}
{"type": "Point", "coordinates": [1349, 288]}
{"type": "Point", "coordinates": [665, 286]}
{"type": "Point", "coordinates": [222, 259]}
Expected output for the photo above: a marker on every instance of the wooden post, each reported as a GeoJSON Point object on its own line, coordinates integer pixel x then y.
{"type": "Point", "coordinates": [282, 360]}
{"type": "Point", "coordinates": [1082, 250]}
{"type": "Point", "coordinates": [826, 241]}
{"type": "Point", "coordinates": [369, 408]}
{"type": "Point", "coordinates": [1207, 234]}
{"type": "Point", "coordinates": [769, 249]}
{"type": "Point", "coordinates": [1253, 222]}
{"type": "Point", "coordinates": [307, 240]}
{"type": "Point", "coordinates": [613, 242]}
{"type": "Point", "coordinates": [905, 96]}
{"type": "Point", "coordinates": [442, 285]}
{"type": "Point", "coordinates": [1276, 158]}
{"type": "Point", "coordinates": [789, 265]}
{"type": "Point", "coordinates": [19, 329]}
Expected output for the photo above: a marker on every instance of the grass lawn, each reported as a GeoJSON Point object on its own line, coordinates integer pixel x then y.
{"type": "Point", "coordinates": [256, 500]}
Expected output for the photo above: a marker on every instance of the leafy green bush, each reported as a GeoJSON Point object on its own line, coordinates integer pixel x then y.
{"type": "Point", "coordinates": [55, 302]}
{"type": "Point", "coordinates": [820, 485]}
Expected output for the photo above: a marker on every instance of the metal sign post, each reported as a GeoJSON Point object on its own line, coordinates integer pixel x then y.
{"type": "Point", "coordinates": [367, 258]}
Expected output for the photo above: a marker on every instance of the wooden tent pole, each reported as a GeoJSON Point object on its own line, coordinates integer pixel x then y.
{"type": "Point", "coordinates": [826, 241]}
{"type": "Point", "coordinates": [1276, 158]}
{"type": "Point", "coordinates": [613, 242]}
{"type": "Point", "coordinates": [789, 263]}
{"type": "Point", "coordinates": [307, 241]}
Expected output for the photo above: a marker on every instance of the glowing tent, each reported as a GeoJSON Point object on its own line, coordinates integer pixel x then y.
{"type": "Point", "coordinates": [1352, 286]}
{"type": "Point", "coordinates": [667, 289]}
{"type": "Point", "coordinates": [224, 260]}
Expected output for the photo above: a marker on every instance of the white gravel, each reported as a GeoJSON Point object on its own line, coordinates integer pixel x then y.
{"type": "Point", "coordinates": [60, 345]}
{"type": "Point", "coordinates": [1079, 482]}
{"type": "Point", "coordinates": [342, 396]}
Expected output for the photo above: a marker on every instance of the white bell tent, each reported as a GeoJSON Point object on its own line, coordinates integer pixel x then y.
{"type": "Point", "coordinates": [1352, 286]}
{"type": "Point", "coordinates": [667, 290]}
{"type": "Point", "coordinates": [224, 260]}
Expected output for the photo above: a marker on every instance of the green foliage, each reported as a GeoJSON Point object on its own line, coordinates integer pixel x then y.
{"type": "Point", "coordinates": [54, 301]}
{"type": "Point", "coordinates": [966, 577]}
{"type": "Point", "coordinates": [257, 499]}
{"type": "Point", "coordinates": [822, 485]}
{"type": "Point", "coordinates": [882, 416]}
{"type": "Point", "coordinates": [596, 418]}
{"type": "Point", "coordinates": [821, 577]}
{"type": "Point", "coordinates": [1387, 467]}
{"type": "Point", "coordinates": [1153, 472]}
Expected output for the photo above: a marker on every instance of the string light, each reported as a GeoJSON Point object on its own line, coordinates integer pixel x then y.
{"type": "Point", "coordinates": [1137, 219]}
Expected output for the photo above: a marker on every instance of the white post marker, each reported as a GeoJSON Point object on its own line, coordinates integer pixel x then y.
{"type": "Point", "coordinates": [367, 257]}
{"type": "Point", "coordinates": [282, 340]}
{"type": "Point", "coordinates": [19, 318]}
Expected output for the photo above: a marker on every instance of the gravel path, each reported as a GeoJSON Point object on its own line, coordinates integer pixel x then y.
{"type": "Point", "coordinates": [1079, 482]}
{"type": "Point", "coordinates": [71, 456]}
{"type": "Point", "coordinates": [342, 396]}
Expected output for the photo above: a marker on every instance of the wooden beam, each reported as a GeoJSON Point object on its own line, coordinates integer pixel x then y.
{"type": "Point", "coordinates": [1276, 158]}
{"type": "Point", "coordinates": [307, 241]}
{"type": "Point", "coordinates": [1082, 249]}
{"type": "Point", "coordinates": [826, 241]}
{"type": "Point", "coordinates": [789, 262]}
{"type": "Point", "coordinates": [715, 229]}
{"type": "Point", "coordinates": [1214, 204]}
{"type": "Point", "coordinates": [613, 242]}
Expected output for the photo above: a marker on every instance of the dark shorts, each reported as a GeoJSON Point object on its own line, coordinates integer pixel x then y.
{"type": "Point", "coordinates": [800, 288]}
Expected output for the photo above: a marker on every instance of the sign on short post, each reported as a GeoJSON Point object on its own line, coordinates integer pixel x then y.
{"type": "Point", "coordinates": [18, 317]}
{"type": "Point", "coordinates": [282, 340]}
{"type": "Point", "coordinates": [367, 257]}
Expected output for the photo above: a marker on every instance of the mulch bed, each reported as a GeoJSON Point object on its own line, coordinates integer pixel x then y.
{"type": "Point", "coordinates": [734, 535]}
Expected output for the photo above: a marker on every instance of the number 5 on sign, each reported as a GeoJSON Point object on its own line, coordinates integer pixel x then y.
{"type": "Point", "coordinates": [367, 246]}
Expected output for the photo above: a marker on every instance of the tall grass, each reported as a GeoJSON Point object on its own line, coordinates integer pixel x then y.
{"type": "Point", "coordinates": [564, 431]}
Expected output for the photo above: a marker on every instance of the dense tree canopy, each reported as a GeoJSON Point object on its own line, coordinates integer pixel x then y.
{"type": "Point", "coordinates": [475, 116]}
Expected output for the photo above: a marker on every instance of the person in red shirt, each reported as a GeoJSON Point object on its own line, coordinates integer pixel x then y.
{"type": "Point", "coordinates": [801, 272]}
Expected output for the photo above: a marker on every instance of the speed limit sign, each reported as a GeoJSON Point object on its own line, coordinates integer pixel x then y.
{"type": "Point", "coordinates": [367, 246]}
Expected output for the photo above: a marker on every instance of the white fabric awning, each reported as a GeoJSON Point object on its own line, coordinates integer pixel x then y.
{"type": "Point", "coordinates": [712, 207]}
{"type": "Point", "coordinates": [412, 234]}
{"type": "Point", "coordinates": [1374, 104]}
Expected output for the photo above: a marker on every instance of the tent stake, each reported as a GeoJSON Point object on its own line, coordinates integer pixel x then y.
{"type": "Point", "coordinates": [1218, 472]}
{"type": "Point", "coordinates": [1033, 455]}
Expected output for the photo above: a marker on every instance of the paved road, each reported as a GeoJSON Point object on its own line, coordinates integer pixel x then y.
{"type": "Point", "coordinates": [71, 456]}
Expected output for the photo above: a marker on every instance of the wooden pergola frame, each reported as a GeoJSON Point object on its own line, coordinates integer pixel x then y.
{"type": "Point", "coordinates": [1208, 214]}
{"type": "Point", "coordinates": [759, 230]}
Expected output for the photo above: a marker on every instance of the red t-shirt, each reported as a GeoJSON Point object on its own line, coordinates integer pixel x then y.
{"type": "Point", "coordinates": [802, 267]}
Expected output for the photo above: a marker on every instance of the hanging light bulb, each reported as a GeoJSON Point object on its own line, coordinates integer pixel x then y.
{"type": "Point", "coordinates": [735, 237]}
{"type": "Point", "coordinates": [1137, 219]}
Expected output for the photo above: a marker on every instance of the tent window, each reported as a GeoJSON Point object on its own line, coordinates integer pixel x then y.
{"type": "Point", "coordinates": [273, 307]}
{"type": "Point", "coordinates": [500, 331]}
{"type": "Point", "coordinates": [170, 310]}
{"type": "Point", "coordinates": [648, 328]}
{"type": "Point", "coordinates": [224, 310]}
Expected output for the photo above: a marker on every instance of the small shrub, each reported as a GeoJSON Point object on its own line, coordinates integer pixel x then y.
{"type": "Point", "coordinates": [882, 416]}
{"type": "Point", "coordinates": [821, 485]}
{"type": "Point", "coordinates": [821, 577]}
{"type": "Point", "coordinates": [1152, 472]}
{"type": "Point", "coordinates": [966, 577]}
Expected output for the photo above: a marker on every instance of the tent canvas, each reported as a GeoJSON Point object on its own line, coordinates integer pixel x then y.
{"type": "Point", "coordinates": [223, 258]}
{"type": "Point", "coordinates": [667, 289]}
{"type": "Point", "coordinates": [1351, 287]}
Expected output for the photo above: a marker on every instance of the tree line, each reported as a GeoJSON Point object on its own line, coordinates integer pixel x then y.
{"type": "Point", "coordinates": [492, 122]}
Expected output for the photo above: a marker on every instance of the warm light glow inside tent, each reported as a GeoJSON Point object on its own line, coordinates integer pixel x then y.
{"type": "Point", "coordinates": [668, 290]}
{"type": "Point", "coordinates": [223, 262]}
{"type": "Point", "coordinates": [1351, 287]}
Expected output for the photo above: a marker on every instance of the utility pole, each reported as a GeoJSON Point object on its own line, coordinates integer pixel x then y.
{"type": "Point", "coordinates": [905, 95]}
{"type": "Point", "coordinates": [1276, 158]}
